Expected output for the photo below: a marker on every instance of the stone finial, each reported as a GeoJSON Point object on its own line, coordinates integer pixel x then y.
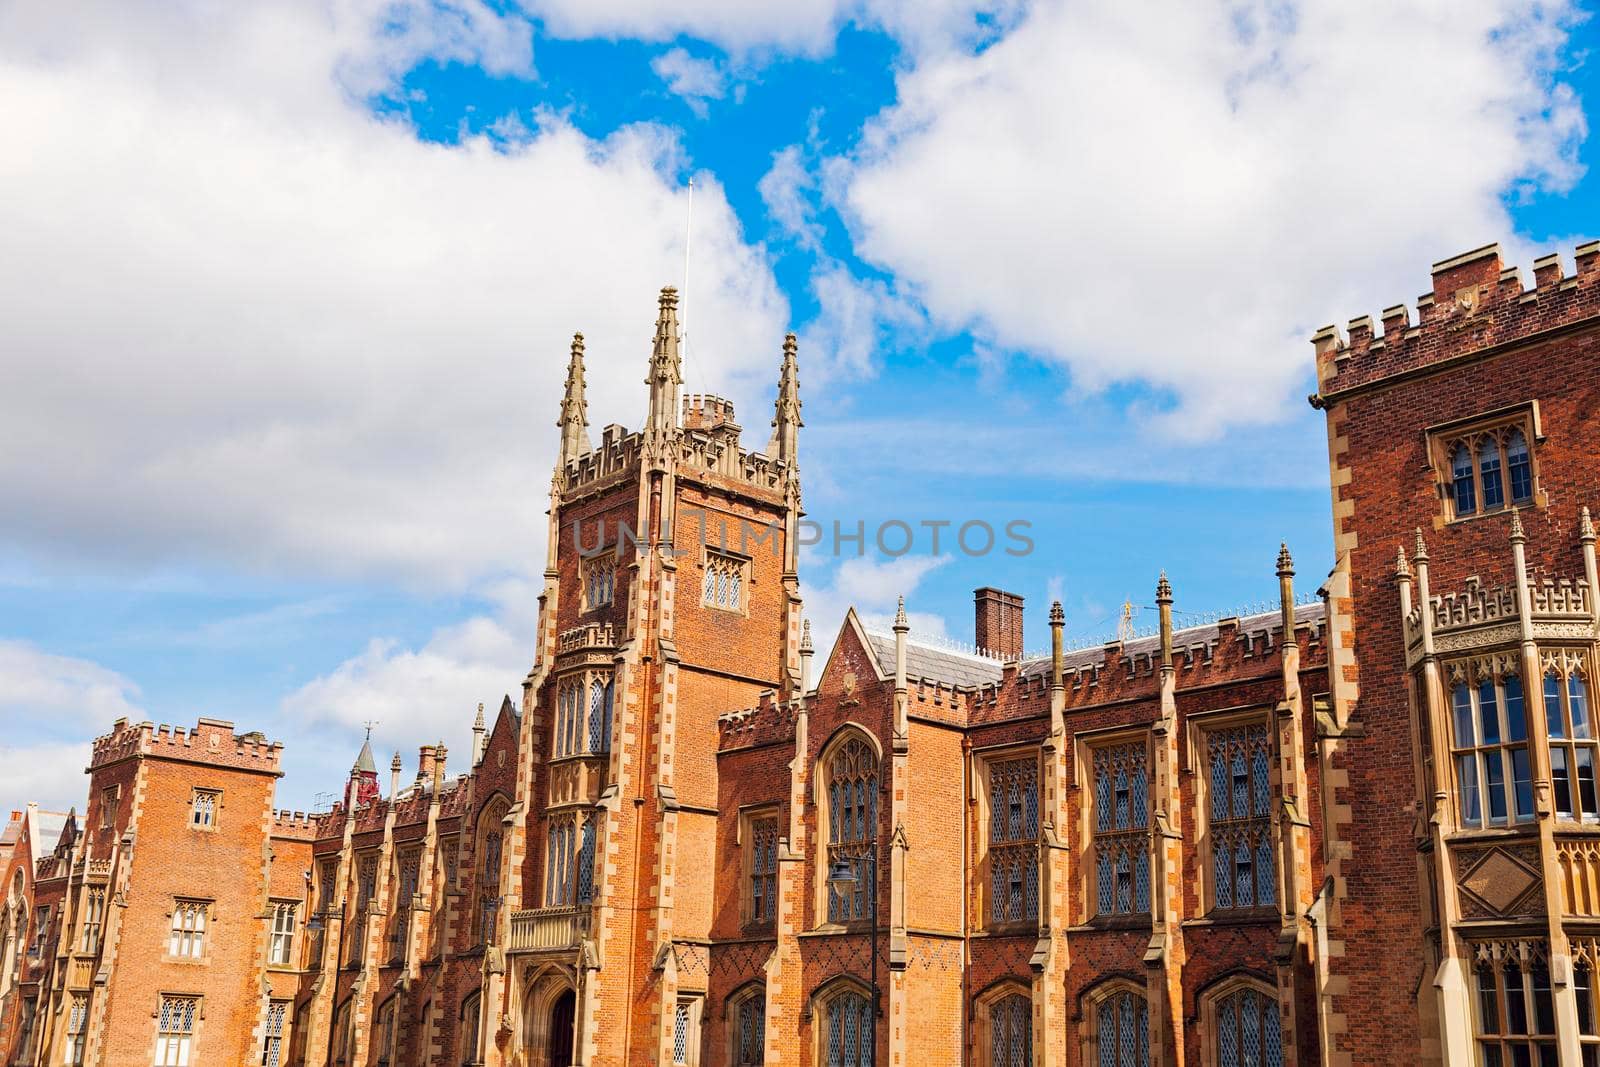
{"type": "Point", "coordinates": [1163, 589]}
{"type": "Point", "coordinates": [666, 365]}
{"type": "Point", "coordinates": [1585, 527]}
{"type": "Point", "coordinates": [1058, 616]}
{"type": "Point", "coordinates": [1421, 554]}
{"type": "Point", "coordinates": [1285, 561]}
{"type": "Point", "coordinates": [1402, 569]}
{"type": "Point", "coordinates": [478, 724]}
{"type": "Point", "coordinates": [900, 623]}
{"type": "Point", "coordinates": [1517, 535]}
{"type": "Point", "coordinates": [786, 408]}
{"type": "Point", "coordinates": [574, 420]}
{"type": "Point", "coordinates": [806, 647]}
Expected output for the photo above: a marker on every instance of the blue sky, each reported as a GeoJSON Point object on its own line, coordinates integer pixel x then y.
{"type": "Point", "coordinates": [287, 294]}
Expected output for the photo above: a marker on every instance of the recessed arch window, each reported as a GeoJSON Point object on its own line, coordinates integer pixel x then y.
{"type": "Point", "coordinates": [1010, 1030]}
{"type": "Point", "coordinates": [486, 869]}
{"type": "Point", "coordinates": [1514, 1011]}
{"type": "Point", "coordinates": [1117, 1026]}
{"type": "Point", "coordinates": [1246, 1029]}
{"type": "Point", "coordinates": [848, 1034]}
{"type": "Point", "coordinates": [1242, 869]}
{"type": "Point", "coordinates": [470, 1028]}
{"type": "Point", "coordinates": [850, 790]}
{"type": "Point", "coordinates": [747, 1026]}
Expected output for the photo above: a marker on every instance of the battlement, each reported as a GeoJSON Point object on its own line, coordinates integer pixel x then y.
{"type": "Point", "coordinates": [770, 720]}
{"type": "Point", "coordinates": [1477, 304]}
{"type": "Point", "coordinates": [297, 825]}
{"type": "Point", "coordinates": [708, 414]}
{"type": "Point", "coordinates": [208, 741]}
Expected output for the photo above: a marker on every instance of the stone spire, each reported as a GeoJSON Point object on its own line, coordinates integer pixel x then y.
{"type": "Point", "coordinates": [786, 409]}
{"type": "Point", "coordinates": [479, 729]}
{"type": "Point", "coordinates": [666, 366]}
{"type": "Point", "coordinates": [574, 421]}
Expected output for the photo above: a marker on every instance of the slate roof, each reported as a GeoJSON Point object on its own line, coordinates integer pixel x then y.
{"type": "Point", "coordinates": [935, 664]}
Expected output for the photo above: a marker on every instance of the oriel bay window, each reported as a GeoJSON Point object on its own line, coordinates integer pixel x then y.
{"type": "Point", "coordinates": [1121, 861]}
{"type": "Point", "coordinates": [1243, 874]}
{"type": "Point", "coordinates": [1514, 1014]}
{"type": "Point", "coordinates": [1014, 840]}
{"type": "Point", "coordinates": [569, 860]}
{"type": "Point", "coordinates": [583, 716]}
{"type": "Point", "coordinates": [1494, 776]}
{"type": "Point", "coordinates": [1573, 744]}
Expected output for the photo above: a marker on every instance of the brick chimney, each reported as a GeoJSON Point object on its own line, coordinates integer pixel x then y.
{"type": "Point", "coordinates": [998, 617]}
{"type": "Point", "coordinates": [425, 757]}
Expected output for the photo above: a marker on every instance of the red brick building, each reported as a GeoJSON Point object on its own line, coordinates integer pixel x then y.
{"type": "Point", "coordinates": [1345, 830]}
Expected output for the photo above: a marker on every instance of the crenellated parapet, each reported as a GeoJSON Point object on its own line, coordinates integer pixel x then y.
{"type": "Point", "coordinates": [1476, 616]}
{"type": "Point", "coordinates": [1477, 306]}
{"type": "Point", "coordinates": [768, 722]}
{"type": "Point", "coordinates": [209, 741]}
{"type": "Point", "coordinates": [295, 825]}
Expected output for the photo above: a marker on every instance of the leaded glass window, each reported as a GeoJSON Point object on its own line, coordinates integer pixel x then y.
{"type": "Point", "coordinates": [1248, 1030]}
{"type": "Point", "coordinates": [850, 1031]}
{"type": "Point", "coordinates": [723, 583]}
{"type": "Point", "coordinates": [585, 873]}
{"type": "Point", "coordinates": [852, 783]}
{"type": "Point", "coordinates": [1122, 1030]}
{"type": "Point", "coordinates": [1011, 1032]}
{"type": "Point", "coordinates": [272, 1045]}
{"type": "Point", "coordinates": [752, 1031]}
{"type": "Point", "coordinates": [1515, 1012]}
{"type": "Point", "coordinates": [187, 939]}
{"type": "Point", "coordinates": [1122, 829]}
{"type": "Point", "coordinates": [174, 1031]}
{"type": "Point", "coordinates": [1014, 840]}
{"type": "Point", "coordinates": [1242, 868]}
{"type": "Point", "coordinates": [763, 899]}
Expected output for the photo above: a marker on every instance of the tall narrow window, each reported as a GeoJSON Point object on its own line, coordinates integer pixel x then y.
{"type": "Point", "coordinates": [1248, 1030]}
{"type": "Point", "coordinates": [1466, 496]}
{"type": "Point", "coordinates": [41, 932]}
{"type": "Point", "coordinates": [599, 716]}
{"type": "Point", "coordinates": [489, 885]}
{"type": "Point", "coordinates": [751, 1031]}
{"type": "Point", "coordinates": [175, 1030]}
{"type": "Point", "coordinates": [77, 1029]}
{"type": "Point", "coordinates": [852, 783]}
{"type": "Point", "coordinates": [1242, 867]}
{"type": "Point", "coordinates": [470, 1029]}
{"type": "Point", "coordinates": [561, 861]}
{"type": "Point", "coordinates": [1515, 1012]}
{"type": "Point", "coordinates": [585, 861]}
{"type": "Point", "coordinates": [187, 939]}
{"type": "Point", "coordinates": [1014, 840]}
{"type": "Point", "coordinates": [277, 1026]}
{"type": "Point", "coordinates": [761, 903]}
{"type": "Point", "coordinates": [404, 901]}
{"type": "Point", "coordinates": [108, 806]}
{"type": "Point", "coordinates": [1584, 988]}
{"type": "Point", "coordinates": [203, 809]}
{"type": "Point", "coordinates": [280, 952]}
{"type": "Point", "coordinates": [850, 1031]}
{"type": "Point", "coordinates": [1574, 748]}
{"type": "Point", "coordinates": [1122, 1030]}
{"type": "Point", "coordinates": [385, 1035]}
{"type": "Point", "coordinates": [1519, 468]}
{"type": "Point", "coordinates": [30, 1012]}
{"type": "Point", "coordinates": [1122, 829]}
{"type": "Point", "coordinates": [94, 908]}
{"type": "Point", "coordinates": [1011, 1032]}
{"type": "Point", "coordinates": [683, 1043]}
{"type": "Point", "coordinates": [1494, 779]}
{"type": "Point", "coordinates": [1489, 473]}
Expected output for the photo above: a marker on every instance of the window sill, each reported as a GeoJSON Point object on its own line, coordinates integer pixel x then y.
{"type": "Point", "coordinates": [1536, 501]}
{"type": "Point", "coordinates": [1016, 929]}
{"type": "Point", "coordinates": [1493, 833]}
{"type": "Point", "coordinates": [1137, 920]}
{"type": "Point", "coordinates": [1234, 917]}
{"type": "Point", "coordinates": [841, 929]}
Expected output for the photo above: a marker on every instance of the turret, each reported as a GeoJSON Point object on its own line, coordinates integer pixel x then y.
{"type": "Point", "coordinates": [362, 788]}
{"type": "Point", "coordinates": [574, 421]}
{"type": "Point", "coordinates": [666, 367]}
{"type": "Point", "coordinates": [786, 409]}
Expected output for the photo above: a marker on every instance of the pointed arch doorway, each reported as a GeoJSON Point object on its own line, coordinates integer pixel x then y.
{"type": "Point", "coordinates": [562, 1014]}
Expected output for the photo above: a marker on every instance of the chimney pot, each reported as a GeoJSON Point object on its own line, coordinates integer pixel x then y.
{"type": "Point", "coordinates": [998, 622]}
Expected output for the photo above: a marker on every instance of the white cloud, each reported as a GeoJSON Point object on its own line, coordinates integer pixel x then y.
{"type": "Point", "coordinates": [806, 28]}
{"type": "Point", "coordinates": [245, 320]}
{"type": "Point", "coordinates": [51, 704]}
{"type": "Point", "coordinates": [1180, 195]}
{"type": "Point", "coordinates": [788, 191]}
{"type": "Point", "coordinates": [871, 586]}
{"type": "Point", "coordinates": [698, 81]}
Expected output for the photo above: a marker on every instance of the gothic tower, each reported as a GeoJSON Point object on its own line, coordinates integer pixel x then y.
{"type": "Point", "coordinates": [671, 594]}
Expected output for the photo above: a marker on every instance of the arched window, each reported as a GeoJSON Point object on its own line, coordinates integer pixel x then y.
{"type": "Point", "coordinates": [1519, 468]}
{"type": "Point", "coordinates": [747, 1027]}
{"type": "Point", "coordinates": [1011, 1031]}
{"type": "Point", "coordinates": [1117, 1025]}
{"type": "Point", "coordinates": [469, 1029]}
{"type": "Point", "coordinates": [1461, 476]}
{"type": "Point", "coordinates": [585, 873]}
{"type": "Point", "coordinates": [341, 1033]}
{"type": "Point", "coordinates": [1246, 1026]}
{"type": "Point", "coordinates": [847, 1035]}
{"type": "Point", "coordinates": [385, 1034]}
{"type": "Point", "coordinates": [1494, 494]}
{"type": "Point", "coordinates": [851, 784]}
{"type": "Point", "coordinates": [486, 869]}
